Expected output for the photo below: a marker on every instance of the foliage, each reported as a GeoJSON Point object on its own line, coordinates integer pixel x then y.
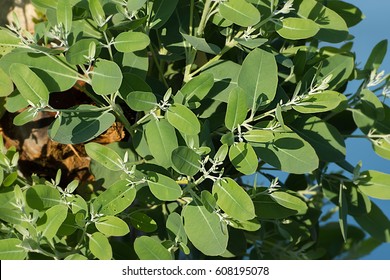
{"type": "Point", "coordinates": [217, 90]}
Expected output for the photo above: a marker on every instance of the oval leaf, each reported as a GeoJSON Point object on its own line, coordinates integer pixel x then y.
{"type": "Point", "coordinates": [259, 78]}
{"type": "Point", "coordinates": [196, 89]}
{"type": "Point", "coordinates": [183, 119]}
{"type": "Point", "coordinates": [51, 221]}
{"type": "Point", "coordinates": [297, 28]}
{"type": "Point", "coordinates": [142, 222]}
{"type": "Point", "coordinates": [104, 155]}
{"type": "Point", "coordinates": [204, 229]}
{"type": "Point", "coordinates": [131, 41]}
{"type": "Point", "coordinates": [240, 12]}
{"type": "Point", "coordinates": [186, 161]}
{"type": "Point", "coordinates": [112, 226]}
{"type": "Point", "coordinates": [288, 152]}
{"type": "Point", "coordinates": [243, 158]}
{"type": "Point", "coordinates": [268, 208]}
{"type": "Point", "coordinates": [320, 102]}
{"type": "Point", "coordinates": [10, 249]}
{"type": "Point", "coordinates": [6, 85]}
{"type": "Point", "coordinates": [162, 140]}
{"type": "Point", "coordinates": [259, 136]}
{"type": "Point", "coordinates": [106, 77]}
{"type": "Point", "coordinates": [81, 125]}
{"type": "Point", "coordinates": [233, 200]}
{"type": "Point", "coordinates": [148, 248]}
{"type": "Point", "coordinates": [42, 197]}
{"type": "Point", "coordinates": [375, 184]}
{"type": "Point", "coordinates": [175, 228]}
{"type": "Point", "coordinates": [99, 246]}
{"type": "Point", "coordinates": [290, 201]}
{"type": "Point", "coordinates": [163, 187]}
{"type": "Point", "coordinates": [235, 112]}
{"type": "Point", "coordinates": [115, 199]}
{"type": "Point", "coordinates": [141, 101]}
{"type": "Point", "coordinates": [29, 85]}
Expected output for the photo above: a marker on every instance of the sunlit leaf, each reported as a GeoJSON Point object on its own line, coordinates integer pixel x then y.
{"type": "Point", "coordinates": [104, 155]}
{"type": "Point", "coordinates": [10, 249]}
{"type": "Point", "coordinates": [240, 12]}
{"type": "Point", "coordinates": [175, 227]}
{"type": "Point", "coordinates": [320, 102]}
{"type": "Point", "coordinates": [162, 140]}
{"type": "Point", "coordinates": [112, 226]}
{"type": "Point", "coordinates": [233, 200]}
{"type": "Point", "coordinates": [297, 28]}
{"type": "Point", "coordinates": [131, 41]}
{"type": "Point", "coordinates": [42, 197]}
{"type": "Point", "coordinates": [183, 119]}
{"type": "Point", "coordinates": [235, 112]}
{"type": "Point", "coordinates": [204, 229]}
{"type": "Point", "coordinates": [141, 100]}
{"type": "Point", "coordinates": [375, 184]}
{"type": "Point", "coordinates": [259, 77]}
{"type": "Point", "coordinates": [115, 199]}
{"type": "Point", "coordinates": [99, 246]}
{"type": "Point", "coordinates": [106, 77]}
{"type": "Point", "coordinates": [289, 201]}
{"type": "Point", "coordinates": [186, 161]}
{"type": "Point", "coordinates": [163, 187]}
{"type": "Point", "coordinates": [51, 221]}
{"type": "Point", "coordinates": [243, 158]}
{"type": "Point", "coordinates": [148, 248]}
{"type": "Point", "coordinates": [6, 85]}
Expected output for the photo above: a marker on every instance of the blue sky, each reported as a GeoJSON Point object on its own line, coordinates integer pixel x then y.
{"type": "Point", "coordinates": [374, 28]}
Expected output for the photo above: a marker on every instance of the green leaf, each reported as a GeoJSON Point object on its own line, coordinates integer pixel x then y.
{"type": "Point", "coordinates": [55, 72]}
{"type": "Point", "coordinates": [259, 78]}
{"type": "Point", "coordinates": [132, 82]}
{"type": "Point", "coordinates": [233, 199]}
{"type": "Point", "coordinates": [183, 119]}
{"type": "Point", "coordinates": [323, 137]}
{"type": "Point", "coordinates": [333, 27]}
{"type": "Point", "coordinates": [64, 14]}
{"type": "Point", "coordinates": [24, 117]}
{"type": "Point", "coordinates": [106, 77]}
{"type": "Point", "coordinates": [343, 213]}
{"type": "Point", "coordinates": [297, 28]}
{"type": "Point", "coordinates": [99, 246]}
{"type": "Point", "coordinates": [51, 221]}
{"type": "Point", "coordinates": [77, 52]}
{"type": "Point", "coordinates": [162, 140]}
{"type": "Point", "coordinates": [319, 102]}
{"type": "Point", "coordinates": [6, 85]}
{"type": "Point", "coordinates": [200, 44]}
{"type": "Point", "coordinates": [382, 148]}
{"type": "Point", "coordinates": [104, 155]}
{"type": "Point", "coordinates": [84, 123]}
{"type": "Point", "coordinates": [175, 228]}
{"type": "Point", "coordinates": [30, 86]}
{"type": "Point", "coordinates": [225, 78]}
{"type": "Point", "coordinates": [289, 201]}
{"type": "Point", "coordinates": [288, 152]}
{"type": "Point", "coordinates": [11, 216]}
{"type": "Point", "coordinates": [141, 101]}
{"type": "Point", "coordinates": [135, 5]}
{"type": "Point", "coordinates": [10, 249]}
{"type": "Point", "coordinates": [267, 208]}
{"type": "Point", "coordinates": [375, 223]}
{"type": "Point", "coordinates": [368, 111]}
{"type": "Point", "coordinates": [375, 184]}
{"type": "Point", "coordinates": [115, 199]}
{"type": "Point", "coordinates": [148, 248]}
{"type": "Point", "coordinates": [204, 229]}
{"type": "Point", "coordinates": [209, 201]}
{"type": "Point", "coordinates": [235, 112]}
{"type": "Point", "coordinates": [196, 89]}
{"type": "Point", "coordinates": [97, 12]}
{"type": "Point", "coordinates": [240, 12]}
{"type": "Point", "coordinates": [76, 257]}
{"type": "Point", "coordinates": [162, 9]}
{"type": "Point", "coordinates": [42, 197]}
{"type": "Point", "coordinates": [243, 158]}
{"type": "Point", "coordinates": [131, 41]}
{"type": "Point", "coordinates": [186, 161]}
{"type": "Point", "coordinates": [259, 136]}
{"type": "Point", "coordinates": [351, 14]}
{"type": "Point", "coordinates": [112, 226]}
{"type": "Point", "coordinates": [376, 57]}
{"type": "Point", "coordinates": [163, 187]}
{"type": "Point", "coordinates": [142, 222]}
